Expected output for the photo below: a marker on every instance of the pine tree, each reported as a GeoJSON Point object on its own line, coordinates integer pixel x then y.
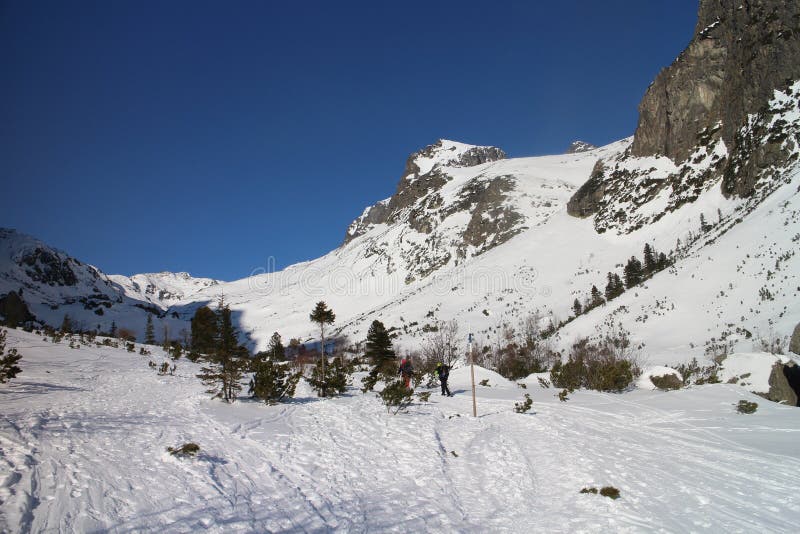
{"type": "Point", "coordinates": [322, 315]}
{"type": "Point", "coordinates": [223, 370]}
{"type": "Point", "coordinates": [272, 381]}
{"type": "Point", "coordinates": [149, 335]}
{"type": "Point", "coordinates": [633, 272]}
{"type": "Point", "coordinates": [662, 262]}
{"type": "Point", "coordinates": [380, 352]}
{"type": "Point", "coordinates": [614, 287]}
{"type": "Point", "coordinates": [597, 297]}
{"type": "Point", "coordinates": [650, 260]}
{"type": "Point", "coordinates": [113, 332]}
{"type": "Point", "coordinates": [704, 226]}
{"type": "Point", "coordinates": [577, 309]}
{"type": "Point", "coordinates": [204, 330]}
{"type": "Point", "coordinates": [379, 344]}
{"type": "Point", "coordinates": [8, 362]}
{"type": "Point", "coordinates": [276, 351]}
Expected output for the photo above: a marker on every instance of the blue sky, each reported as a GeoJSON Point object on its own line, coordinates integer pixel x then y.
{"type": "Point", "coordinates": [208, 136]}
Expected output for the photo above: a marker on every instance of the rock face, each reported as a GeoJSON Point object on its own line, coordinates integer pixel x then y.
{"type": "Point", "coordinates": [579, 146]}
{"type": "Point", "coordinates": [782, 383]}
{"type": "Point", "coordinates": [725, 112]}
{"type": "Point", "coordinates": [423, 177]}
{"type": "Point", "coordinates": [741, 52]}
{"type": "Point", "coordinates": [586, 200]}
{"type": "Point", "coordinates": [794, 344]}
{"type": "Point", "coordinates": [14, 311]}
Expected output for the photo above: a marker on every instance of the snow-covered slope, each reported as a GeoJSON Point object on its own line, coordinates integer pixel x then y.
{"type": "Point", "coordinates": [54, 284]}
{"type": "Point", "coordinates": [161, 289]}
{"type": "Point", "coordinates": [84, 432]}
{"type": "Point", "coordinates": [724, 281]}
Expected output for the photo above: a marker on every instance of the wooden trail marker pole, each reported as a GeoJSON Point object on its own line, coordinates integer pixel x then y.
{"type": "Point", "coordinates": [472, 372]}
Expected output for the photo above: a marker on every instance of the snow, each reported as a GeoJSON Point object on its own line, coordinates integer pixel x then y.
{"type": "Point", "coordinates": [84, 432]}
{"type": "Point", "coordinates": [750, 370]}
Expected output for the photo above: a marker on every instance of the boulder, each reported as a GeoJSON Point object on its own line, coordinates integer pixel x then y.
{"type": "Point", "coordinates": [794, 344]}
{"type": "Point", "coordinates": [783, 382]}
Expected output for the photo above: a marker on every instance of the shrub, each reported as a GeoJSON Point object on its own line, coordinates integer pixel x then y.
{"type": "Point", "coordinates": [666, 382]}
{"type": "Point", "coordinates": [522, 407]}
{"type": "Point", "coordinates": [396, 396]}
{"type": "Point", "coordinates": [746, 407]}
{"type": "Point", "coordinates": [608, 365]}
{"type": "Point", "coordinates": [425, 396]}
{"type": "Point", "coordinates": [545, 384]}
{"type": "Point", "coordinates": [130, 347]}
{"type": "Point", "coordinates": [562, 395]}
{"type": "Point", "coordinates": [185, 450]}
{"type": "Point", "coordinates": [523, 385]}
{"type": "Point", "coordinates": [8, 361]}
{"type": "Point", "coordinates": [484, 382]}
{"type": "Point", "coordinates": [694, 373]}
{"type": "Point", "coordinates": [609, 491]}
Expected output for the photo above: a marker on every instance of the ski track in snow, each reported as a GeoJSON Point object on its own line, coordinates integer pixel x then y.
{"type": "Point", "coordinates": [83, 436]}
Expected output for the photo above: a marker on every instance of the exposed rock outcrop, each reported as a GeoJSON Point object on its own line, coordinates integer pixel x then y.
{"type": "Point", "coordinates": [725, 112]}
{"type": "Point", "coordinates": [783, 383]}
{"type": "Point", "coordinates": [13, 310]}
{"type": "Point", "coordinates": [741, 52]}
{"type": "Point", "coordinates": [794, 343]}
{"type": "Point", "coordinates": [586, 200]}
{"type": "Point", "coordinates": [579, 146]}
{"type": "Point", "coordinates": [416, 192]}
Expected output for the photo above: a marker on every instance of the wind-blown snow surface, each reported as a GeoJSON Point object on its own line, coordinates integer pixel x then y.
{"type": "Point", "coordinates": [83, 434]}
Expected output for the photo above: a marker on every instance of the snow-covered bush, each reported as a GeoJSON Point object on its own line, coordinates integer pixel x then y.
{"type": "Point", "coordinates": [522, 407]}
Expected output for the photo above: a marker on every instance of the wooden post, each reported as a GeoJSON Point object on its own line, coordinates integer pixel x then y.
{"type": "Point", "coordinates": [472, 372]}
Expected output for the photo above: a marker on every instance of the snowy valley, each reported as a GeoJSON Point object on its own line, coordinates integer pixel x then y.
{"type": "Point", "coordinates": [669, 257]}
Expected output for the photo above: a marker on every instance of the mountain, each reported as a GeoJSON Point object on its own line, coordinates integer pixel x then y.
{"type": "Point", "coordinates": [53, 284]}
{"type": "Point", "coordinates": [161, 289]}
{"type": "Point", "coordinates": [710, 179]}
{"type": "Point", "coordinates": [579, 146]}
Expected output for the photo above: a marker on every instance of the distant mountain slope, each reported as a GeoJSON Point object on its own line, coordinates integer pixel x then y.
{"type": "Point", "coordinates": [54, 284]}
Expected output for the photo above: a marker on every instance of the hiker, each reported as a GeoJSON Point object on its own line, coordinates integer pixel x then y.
{"type": "Point", "coordinates": [406, 370]}
{"type": "Point", "coordinates": [444, 372]}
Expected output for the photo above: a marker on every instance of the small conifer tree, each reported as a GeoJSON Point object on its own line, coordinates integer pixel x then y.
{"type": "Point", "coordinates": [577, 308]}
{"type": "Point", "coordinates": [322, 315]}
{"type": "Point", "coordinates": [272, 381]}
{"type": "Point", "coordinates": [8, 361]}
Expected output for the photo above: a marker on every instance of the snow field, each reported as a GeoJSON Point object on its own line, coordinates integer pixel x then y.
{"type": "Point", "coordinates": [83, 436]}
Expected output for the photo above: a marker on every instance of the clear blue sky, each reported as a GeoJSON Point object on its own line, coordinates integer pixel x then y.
{"type": "Point", "coordinates": [207, 136]}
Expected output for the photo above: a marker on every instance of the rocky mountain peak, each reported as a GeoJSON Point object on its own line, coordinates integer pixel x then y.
{"type": "Point", "coordinates": [579, 146]}
{"type": "Point", "coordinates": [425, 172]}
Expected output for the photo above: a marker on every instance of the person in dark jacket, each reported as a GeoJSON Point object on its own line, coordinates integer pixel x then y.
{"type": "Point", "coordinates": [444, 372]}
{"type": "Point", "coordinates": [406, 371]}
